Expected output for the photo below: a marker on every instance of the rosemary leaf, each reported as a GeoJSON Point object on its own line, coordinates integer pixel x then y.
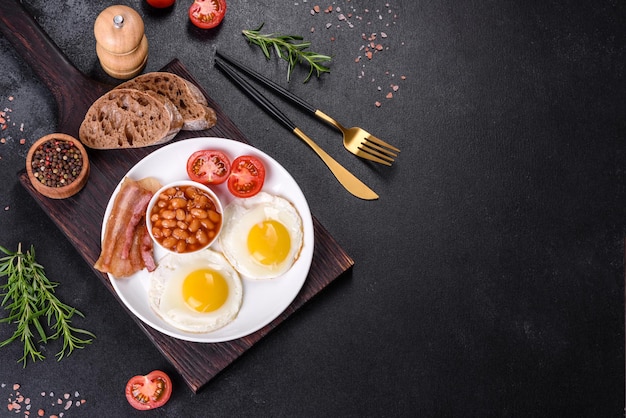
{"type": "Point", "coordinates": [28, 295]}
{"type": "Point", "coordinates": [291, 48]}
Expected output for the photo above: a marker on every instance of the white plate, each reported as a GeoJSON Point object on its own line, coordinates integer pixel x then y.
{"type": "Point", "coordinates": [263, 300]}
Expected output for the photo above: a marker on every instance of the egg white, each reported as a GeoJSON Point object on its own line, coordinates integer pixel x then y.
{"type": "Point", "coordinates": [165, 292]}
{"type": "Point", "coordinates": [240, 215]}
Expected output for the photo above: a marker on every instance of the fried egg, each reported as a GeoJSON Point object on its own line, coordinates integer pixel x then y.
{"type": "Point", "coordinates": [196, 292]}
{"type": "Point", "coordinates": [261, 236]}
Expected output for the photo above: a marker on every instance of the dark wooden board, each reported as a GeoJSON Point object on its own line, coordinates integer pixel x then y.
{"type": "Point", "coordinates": [80, 217]}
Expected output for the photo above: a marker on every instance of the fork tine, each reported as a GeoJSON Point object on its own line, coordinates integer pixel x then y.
{"type": "Point", "coordinates": [377, 150]}
{"type": "Point", "coordinates": [380, 143]}
{"type": "Point", "coordinates": [366, 155]}
{"type": "Point", "coordinates": [365, 147]}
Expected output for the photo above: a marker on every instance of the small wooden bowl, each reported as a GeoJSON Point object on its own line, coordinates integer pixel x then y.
{"type": "Point", "coordinates": [59, 192]}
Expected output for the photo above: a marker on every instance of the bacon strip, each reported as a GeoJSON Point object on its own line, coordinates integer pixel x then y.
{"type": "Point", "coordinates": [124, 248]}
{"type": "Point", "coordinates": [137, 213]}
{"type": "Point", "coordinates": [146, 248]}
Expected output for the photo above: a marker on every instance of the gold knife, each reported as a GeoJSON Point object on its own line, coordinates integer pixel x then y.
{"type": "Point", "coordinates": [348, 180]}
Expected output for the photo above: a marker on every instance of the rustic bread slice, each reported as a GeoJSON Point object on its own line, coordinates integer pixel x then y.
{"type": "Point", "coordinates": [128, 118]}
{"type": "Point", "coordinates": [185, 95]}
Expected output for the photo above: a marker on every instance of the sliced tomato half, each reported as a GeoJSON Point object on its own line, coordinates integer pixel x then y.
{"type": "Point", "coordinates": [208, 167]}
{"type": "Point", "coordinates": [247, 176]}
{"type": "Point", "coordinates": [150, 391]}
{"type": "Point", "coordinates": [207, 14]}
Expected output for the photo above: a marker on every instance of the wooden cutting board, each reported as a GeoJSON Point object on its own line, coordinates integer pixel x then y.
{"type": "Point", "coordinates": [80, 217]}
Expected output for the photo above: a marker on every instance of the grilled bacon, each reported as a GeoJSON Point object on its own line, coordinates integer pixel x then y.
{"type": "Point", "coordinates": [127, 246]}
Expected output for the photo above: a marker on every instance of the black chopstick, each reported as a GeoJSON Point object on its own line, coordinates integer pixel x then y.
{"type": "Point", "coordinates": [254, 94]}
{"type": "Point", "coordinates": [267, 82]}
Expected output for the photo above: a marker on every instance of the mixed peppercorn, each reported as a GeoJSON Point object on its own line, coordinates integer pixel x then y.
{"type": "Point", "coordinates": [57, 163]}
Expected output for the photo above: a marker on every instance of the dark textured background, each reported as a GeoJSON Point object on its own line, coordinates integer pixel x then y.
{"type": "Point", "coordinates": [489, 277]}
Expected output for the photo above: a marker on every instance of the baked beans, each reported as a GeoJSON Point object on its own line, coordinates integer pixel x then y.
{"type": "Point", "coordinates": [184, 219]}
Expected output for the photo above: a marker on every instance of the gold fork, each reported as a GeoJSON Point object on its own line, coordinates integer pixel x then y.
{"type": "Point", "coordinates": [348, 180]}
{"type": "Point", "coordinates": [356, 140]}
{"type": "Point", "coordinates": [361, 143]}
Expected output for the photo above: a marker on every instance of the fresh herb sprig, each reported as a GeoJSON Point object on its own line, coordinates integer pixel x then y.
{"type": "Point", "coordinates": [291, 48]}
{"type": "Point", "coordinates": [29, 296]}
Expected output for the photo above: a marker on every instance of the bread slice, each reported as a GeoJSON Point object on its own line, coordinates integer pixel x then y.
{"type": "Point", "coordinates": [128, 118]}
{"type": "Point", "coordinates": [186, 96]}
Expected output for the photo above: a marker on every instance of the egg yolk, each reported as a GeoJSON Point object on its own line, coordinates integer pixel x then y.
{"type": "Point", "coordinates": [269, 242]}
{"type": "Point", "coordinates": [205, 290]}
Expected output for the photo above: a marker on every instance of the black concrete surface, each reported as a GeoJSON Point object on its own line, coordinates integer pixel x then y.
{"type": "Point", "coordinates": [488, 278]}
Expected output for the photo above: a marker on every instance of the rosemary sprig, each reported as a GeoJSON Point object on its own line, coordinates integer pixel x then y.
{"type": "Point", "coordinates": [291, 48]}
{"type": "Point", "coordinates": [29, 295]}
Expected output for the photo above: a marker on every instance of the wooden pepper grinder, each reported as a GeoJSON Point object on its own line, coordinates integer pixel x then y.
{"type": "Point", "coordinates": [121, 43]}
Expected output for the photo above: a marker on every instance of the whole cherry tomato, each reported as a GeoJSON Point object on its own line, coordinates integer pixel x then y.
{"type": "Point", "coordinates": [160, 4]}
{"type": "Point", "coordinates": [247, 176]}
{"type": "Point", "coordinates": [207, 14]}
{"type": "Point", "coordinates": [150, 391]}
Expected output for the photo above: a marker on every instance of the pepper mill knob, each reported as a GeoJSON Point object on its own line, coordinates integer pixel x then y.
{"type": "Point", "coordinates": [121, 43]}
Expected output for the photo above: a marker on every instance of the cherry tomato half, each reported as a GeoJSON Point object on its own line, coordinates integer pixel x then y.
{"type": "Point", "coordinates": [208, 167]}
{"type": "Point", "coordinates": [160, 4]}
{"type": "Point", "coordinates": [247, 175]}
{"type": "Point", "coordinates": [150, 391]}
{"type": "Point", "coordinates": [207, 14]}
